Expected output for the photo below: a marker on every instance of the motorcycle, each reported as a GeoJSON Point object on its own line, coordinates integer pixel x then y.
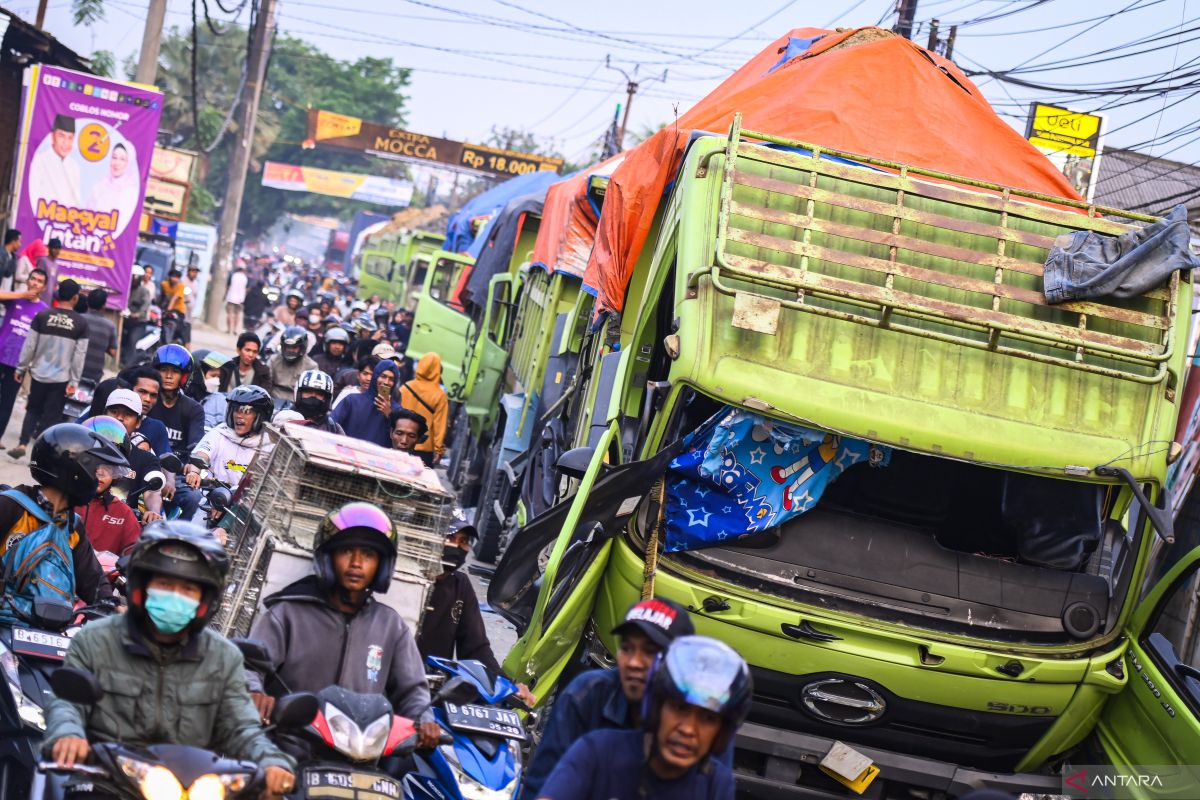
{"type": "Point", "coordinates": [340, 751]}
{"type": "Point", "coordinates": [174, 330]}
{"type": "Point", "coordinates": [483, 757]}
{"type": "Point", "coordinates": [28, 655]}
{"type": "Point", "coordinates": [161, 770]}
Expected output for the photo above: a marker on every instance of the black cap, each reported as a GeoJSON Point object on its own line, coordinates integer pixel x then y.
{"type": "Point", "coordinates": [56, 242]}
{"type": "Point", "coordinates": [63, 122]}
{"type": "Point", "coordinates": [67, 290]}
{"type": "Point", "coordinates": [661, 620]}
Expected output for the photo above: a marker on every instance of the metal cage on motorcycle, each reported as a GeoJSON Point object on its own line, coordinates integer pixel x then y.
{"type": "Point", "coordinates": [293, 484]}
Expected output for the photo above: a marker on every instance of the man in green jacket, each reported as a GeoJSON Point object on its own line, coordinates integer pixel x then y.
{"type": "Point", "coordinates": [166, 678]}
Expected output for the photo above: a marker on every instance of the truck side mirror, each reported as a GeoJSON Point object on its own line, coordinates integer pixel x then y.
{"type": "Point", "coordinates": [574, 463]}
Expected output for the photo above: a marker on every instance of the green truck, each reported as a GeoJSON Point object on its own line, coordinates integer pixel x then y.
{"type": "Point", "coordinates": [515, 479]}
{"type": "Point", "coordinates": [391, 263]}
{"type": "Point", "coordinates": [1000, 605]}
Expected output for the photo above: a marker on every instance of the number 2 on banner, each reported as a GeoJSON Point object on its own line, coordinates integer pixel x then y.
{"type": "Point", "coordinates": [93, 142]}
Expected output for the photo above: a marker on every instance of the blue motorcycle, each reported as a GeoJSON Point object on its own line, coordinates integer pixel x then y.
{"type": "Point", "coordinates": [484, 760]}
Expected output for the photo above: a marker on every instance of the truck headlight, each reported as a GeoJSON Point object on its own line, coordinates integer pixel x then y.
{"type": "Point", "coordinates": [29, 711]}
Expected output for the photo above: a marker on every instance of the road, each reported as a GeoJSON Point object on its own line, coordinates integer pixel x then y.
{"type": "Point", "coordinates": [14, 472]}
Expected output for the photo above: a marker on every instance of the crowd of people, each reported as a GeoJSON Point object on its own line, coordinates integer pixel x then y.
{"type": "Point", "coordinates": [665, 716]}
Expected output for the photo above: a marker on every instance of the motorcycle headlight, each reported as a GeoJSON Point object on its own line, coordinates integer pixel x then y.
{"type": "Point", "coordinates": [348, 738]}
{"type": "Point", "coordinates": [215, 787]}
{"type": "Point", "coordinates": [471, 789]}
{"type": "Point", "coordinates": [155, 781]}
{"type": "Point", "coordinates": [29, 711]}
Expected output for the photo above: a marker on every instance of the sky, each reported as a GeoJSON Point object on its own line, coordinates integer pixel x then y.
{"type": "Point", "coordinates": [541, 65]}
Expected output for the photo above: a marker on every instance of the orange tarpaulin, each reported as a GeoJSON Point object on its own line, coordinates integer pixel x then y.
{"type": "Point", "coordinates": [864, 91]}
{"type": "Point", "coordinates": [568, 225]}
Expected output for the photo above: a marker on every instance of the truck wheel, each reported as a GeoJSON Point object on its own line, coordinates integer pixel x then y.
{"type": "Point", "coordinates": [490, 527]}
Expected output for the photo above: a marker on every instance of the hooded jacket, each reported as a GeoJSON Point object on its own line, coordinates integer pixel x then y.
{"type": "Point", "coordinates": [357, 413]}
{"type": "Point", "coordinates": [313, 645]}
{"type": "Point", "coordinates": [424, 395]}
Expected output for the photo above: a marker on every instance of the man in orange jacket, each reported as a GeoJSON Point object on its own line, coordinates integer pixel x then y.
{"type": "Point", "coordinates": [424, 394]}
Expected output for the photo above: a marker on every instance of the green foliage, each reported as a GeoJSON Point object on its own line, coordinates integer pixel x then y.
{"type": "Point", "coordinates": [299, 76]}
{"type": "Point", "coordinates": [104, 63]}
{"type": "Point", "coordinates": [87, 12]}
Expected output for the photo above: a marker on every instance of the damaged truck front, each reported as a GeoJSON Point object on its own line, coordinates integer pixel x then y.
{"type": "Point", "coordinates": [966, 596]}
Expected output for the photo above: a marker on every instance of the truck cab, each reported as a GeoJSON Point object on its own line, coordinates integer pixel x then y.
{"type": "Point", "coordinates": [987, 603]}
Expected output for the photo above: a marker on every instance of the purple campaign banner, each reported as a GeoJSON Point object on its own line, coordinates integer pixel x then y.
{"type": "Point", "coordinates": [84, 155]}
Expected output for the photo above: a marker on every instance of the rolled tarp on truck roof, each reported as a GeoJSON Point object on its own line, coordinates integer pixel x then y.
{"type": "Point", "coordinates": [459, 236]}
{"type": "Point", "coordinates": [865, 90]}
{"type": "Point", "coordinates": [569, 221]}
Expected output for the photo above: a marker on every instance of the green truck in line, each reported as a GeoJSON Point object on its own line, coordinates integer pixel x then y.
{"type": "Point", "coordinates": [392, 263]}
{"type": "Point", "coordinates": [918, 612]}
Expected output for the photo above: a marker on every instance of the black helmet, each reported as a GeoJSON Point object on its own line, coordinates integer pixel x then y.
{"type": "Point", "coordinates": [180, 550]}
{"type": "Point", "coordinates": [292, 343]}
{"type": "Point", "coordinates": [173, 355]}
{"type": "Point", "coordinates": [362, 524]}
{"type": "Point", "coordinates": [702, 672]}
{"type": "Point", "coordinates": [66, 457]}
{"type": "Point", "coordinates": [254, 396]}
{"type": "Point", "coordinates": [381, 315]}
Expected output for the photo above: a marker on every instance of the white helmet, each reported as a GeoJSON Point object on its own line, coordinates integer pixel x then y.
{"type": "Point", "coordinates": [314, 379]}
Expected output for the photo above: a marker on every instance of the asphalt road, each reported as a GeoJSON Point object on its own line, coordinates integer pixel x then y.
{"type": "Point", "coordinates": [14, 472]}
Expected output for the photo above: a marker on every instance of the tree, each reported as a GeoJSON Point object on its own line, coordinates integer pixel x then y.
{"type": "Point", "coordinates": [299, 76]}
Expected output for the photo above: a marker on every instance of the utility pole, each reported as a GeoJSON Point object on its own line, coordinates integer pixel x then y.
{"type": "Point", "coordinates": [631, 88]}
{"type": "Point", "coordinates": [147, 67]}
{"type": "Point", "coordinates": [950, 42]}
{"type": "Point", "coordinates": [933, 36]}
{"type": "Point", "coordinates": [904, 23]}
{"type": "Point", "coordinates": [40, 20]}
{"type": "Point", "coordinates": [239, 162]}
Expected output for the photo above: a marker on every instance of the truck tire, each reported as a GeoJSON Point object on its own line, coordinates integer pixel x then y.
{"type": "Point", "coordinates": [490, 528]}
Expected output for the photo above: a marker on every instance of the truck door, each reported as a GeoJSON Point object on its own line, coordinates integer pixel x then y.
{"type": "Point", "coordinates": [491, 349]}
{"type": "Point", "coordinates": [1153, 720]}
{"type": "Point", "coordinates": [439, 328]}
{"type": "Point", "coordinates": [547, 582]}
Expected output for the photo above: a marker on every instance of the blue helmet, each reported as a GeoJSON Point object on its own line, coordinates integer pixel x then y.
{"type": "Point", "coordinates": [703, 672]}
{"type": "Point", "coordinates": [173, 355]}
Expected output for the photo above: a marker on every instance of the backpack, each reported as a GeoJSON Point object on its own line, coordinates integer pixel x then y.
{"type": "Point", "coordinates": [38, 565]}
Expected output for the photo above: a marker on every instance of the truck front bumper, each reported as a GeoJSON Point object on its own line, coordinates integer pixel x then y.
{"type": "Point", "coordinates": [773, 763]}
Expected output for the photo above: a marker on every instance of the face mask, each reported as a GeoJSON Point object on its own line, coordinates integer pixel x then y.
{"type": "Point", "coordinates": [211, 385]}
{"type": "Point", "coordinates": [311, 407]}
{"type": "Point", "coordinates": [168, 611]}
{"type": "Point", "coordinates": [314, 320]}
{"type": "Point", "coordinates": [453, 557]}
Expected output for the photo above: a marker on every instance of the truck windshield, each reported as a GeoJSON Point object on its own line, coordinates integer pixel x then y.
{"type": "Point", "coordinates": [944, 544]}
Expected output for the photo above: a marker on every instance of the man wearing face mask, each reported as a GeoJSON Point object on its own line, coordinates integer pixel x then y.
{"type": "Point", "coordinates": [314, 393]}
{"type": "Point", "coordinates": [167, 678]}
{"type": "Point", "coordinates": [453, 624]}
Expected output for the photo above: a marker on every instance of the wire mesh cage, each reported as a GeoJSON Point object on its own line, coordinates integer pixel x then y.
{"type": "Point", "coordinates": [289, 488]}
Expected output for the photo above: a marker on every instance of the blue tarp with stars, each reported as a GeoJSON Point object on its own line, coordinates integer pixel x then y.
{"type": "Point", "coordinates": [742, 474]}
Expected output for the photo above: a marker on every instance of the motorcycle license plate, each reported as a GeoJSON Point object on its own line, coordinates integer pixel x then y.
{"type": "Point", "coordinates": [40, 644]}
{"type": "Point", "coordinates": [344, 784]}
{"type": "Point", "coordinates": [485, 719]}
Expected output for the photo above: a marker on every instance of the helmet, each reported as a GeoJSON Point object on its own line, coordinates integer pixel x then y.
{"type": "Point", "coordinates": [214, 360]}
{"type": "Point", "coordinates": [332, 320]}
{"type": "Point", "coordinates": [362, 524]}
{"type": "Point", "coordinates": [292, 343]}
{"type": "Point", "coordinates": [381, 315]}
{"type": "Point", "coordinates": [109, 428]}
{"type": "Point", "coordinates": [254, 396]}
{"type": "Point", "coordinates": [66, 457]}
{"type": "Point", "coordinates": [337, 335]}
{"type": "Point", "coordinates": [173, 355]}
{"type": "Point", "coordinates": [358, 305]}
{"type": "Point", "coordinates": [314, 379]}
{"type": "Point", "coordinates": [701, 672]}
{"type": "Point", "coordinates": [180, 550]}
{"type": "Point", "coordinates": [294, 294]}
{"type": "Point", "coordinates": [364, 325]}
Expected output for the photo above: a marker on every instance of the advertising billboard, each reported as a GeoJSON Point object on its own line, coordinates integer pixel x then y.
{"type": "Point", "coordinates": [1073, 140]}
{"type": "Point", "coordinates": [350, 185]}
{"type": "Point", "coordinates": [83, 155]}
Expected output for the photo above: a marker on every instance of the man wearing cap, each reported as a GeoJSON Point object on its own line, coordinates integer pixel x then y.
{"type": "Point", "coordinates": [53, 174]}
{"type": "Point", "coordinates": [599, 698]}
{"type": "Point", "coordinates": [125, 406]}
{"type": "Point", "coordinates": [49, 263]}
{"type": "Point", "coordinates": [53, 355]}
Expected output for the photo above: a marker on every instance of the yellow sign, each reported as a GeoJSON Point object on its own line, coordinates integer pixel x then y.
{"type": "Point", "coordinates": [1061, 130]}
{"type": "Point", "coordinates": [172, 164]}
{"type": "Point", "coordinates": [165, 198]}
{"type": "Point", "coordinates": [333, 126]}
